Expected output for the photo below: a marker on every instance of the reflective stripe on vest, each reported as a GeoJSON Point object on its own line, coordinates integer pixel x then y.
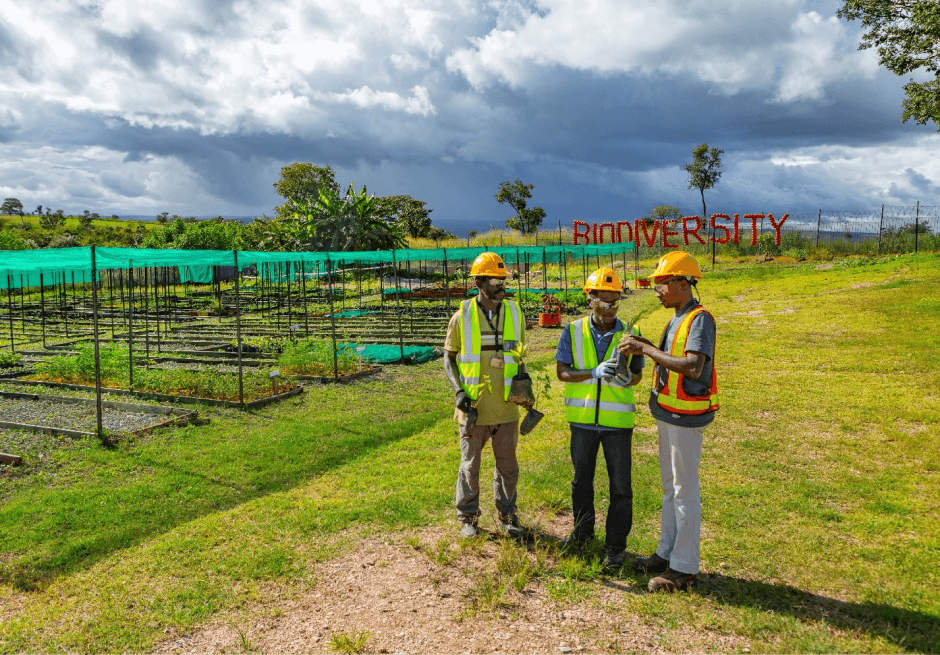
{"type": "Point", "coordinates": [469, 358]}
{"type": "Point", "coordinates": [673, 397]}
{"type": "Point", "coordinates": [616, 406]}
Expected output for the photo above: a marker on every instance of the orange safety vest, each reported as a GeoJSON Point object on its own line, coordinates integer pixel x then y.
{"type": "Point", "coordinates": [673, 397]}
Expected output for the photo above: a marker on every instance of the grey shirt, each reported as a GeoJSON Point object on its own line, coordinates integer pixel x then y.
{"type": "Point", "coordinates": [701, 340]}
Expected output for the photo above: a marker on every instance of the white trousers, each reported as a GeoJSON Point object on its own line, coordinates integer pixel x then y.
{"type": "Point", "coordinates": [680, 451]}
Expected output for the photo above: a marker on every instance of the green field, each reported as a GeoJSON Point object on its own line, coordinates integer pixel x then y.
{"type": "Point", "coordinates": [71, 222]}
{"type": "Point", "coordinates": [820, 480]}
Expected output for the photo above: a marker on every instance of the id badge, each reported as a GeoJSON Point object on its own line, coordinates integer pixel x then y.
{"type": "Point", "coordinates": [496, 362]}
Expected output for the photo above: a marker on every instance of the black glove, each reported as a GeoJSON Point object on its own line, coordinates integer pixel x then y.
{"type": "Point", "coordinates": [463, 401]}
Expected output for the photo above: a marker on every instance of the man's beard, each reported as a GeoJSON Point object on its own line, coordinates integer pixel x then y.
{"type": "Point", "coordinates": [490, 296]}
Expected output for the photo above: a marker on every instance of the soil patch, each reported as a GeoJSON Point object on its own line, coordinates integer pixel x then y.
{"type": "Point", "coordinates": [406, 601]}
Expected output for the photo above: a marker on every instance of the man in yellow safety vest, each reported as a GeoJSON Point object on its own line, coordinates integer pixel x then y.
{"type": "Point", "coordinates": [480, 369]}
{"type": "Point", "coordinates": [683, 401]}
{"type": "Point", "coordinates": [600, 409]}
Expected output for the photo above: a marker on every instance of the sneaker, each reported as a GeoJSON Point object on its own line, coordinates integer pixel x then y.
{"type": "Point", "coordinates": [652, 564]}
{"type": "Point", "coordinates": [576, 539]}
{"type": "Point", "coordinates": [672, 580]}
{"type": "Point", "coordinates": [469, 530]}
{"type": "Point", "coordinates": [509, 525]}
{"type": "Point", "coordinates": [613, 559]}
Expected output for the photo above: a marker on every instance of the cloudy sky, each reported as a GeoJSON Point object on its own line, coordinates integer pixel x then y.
{"type": "Point", "coordinates": [193, 106]}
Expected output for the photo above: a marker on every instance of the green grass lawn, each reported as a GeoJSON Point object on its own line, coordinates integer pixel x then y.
{"type": "Point", "coordinates": [820, 485]}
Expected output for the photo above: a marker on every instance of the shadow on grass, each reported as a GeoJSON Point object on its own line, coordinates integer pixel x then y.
{"type": "Point", "coordinates": [51, 533]}
{"type": "Point", "coordinates": [908, 629]}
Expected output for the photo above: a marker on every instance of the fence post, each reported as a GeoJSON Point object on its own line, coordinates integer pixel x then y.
{"type": "Point", "coordinates": [238, 330]}
{"type": "Point", "coordinates": [10, 302]}
{"type": "Point", "coordinates": [916, 225]}
{"type": "Point", "coordinates": [99, 429]}
{"type": "Point", "coordinates": [881, 228]}
{"type": "Point", "coordinates": [329, 292]}
{"type": "Point", "coordinates": [818, 221]}
{"type": "Point", "coordinates": [401, 337]}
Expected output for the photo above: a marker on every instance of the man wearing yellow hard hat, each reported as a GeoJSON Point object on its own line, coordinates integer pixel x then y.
{"type": "Point", "coordinates": [480, 370]}
{"type": "Point", "coordinates": [683, 401]}
{"type": "Point", "coordinates": [600, 409]}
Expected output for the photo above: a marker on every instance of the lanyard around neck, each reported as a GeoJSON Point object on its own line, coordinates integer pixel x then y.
{"type": "Point", "coordinates": [486, 315]}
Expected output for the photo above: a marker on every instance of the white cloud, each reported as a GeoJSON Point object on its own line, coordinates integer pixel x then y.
{"type": "Point", "coordinates": [731, 45]}
{"type": "Point", "coordinates": [365, 98]}
{"type": "Point", "coordinates": [896, 173]}
{"type": "Point", "coordinates": [101, 180]}
{"type": "Point", "coordinates": [224, 68]}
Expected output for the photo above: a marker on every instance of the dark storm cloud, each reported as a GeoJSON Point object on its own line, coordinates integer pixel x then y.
{"type": "Point", "coordinates": [194, 107]}
{"type": "Point", "coordinates": [144, 48]}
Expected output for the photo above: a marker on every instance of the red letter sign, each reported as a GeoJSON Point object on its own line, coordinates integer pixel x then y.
{"type": "Point", "coordinates": [777, 225]}
{"type": "Point", "coordinates": [578, 235]}
{"type": "Point", "coordinates": [715, 226]}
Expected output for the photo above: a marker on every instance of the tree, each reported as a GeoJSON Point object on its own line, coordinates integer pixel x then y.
{"type": "Point", "coordinates": [163, 217]}
{"type": "Point", "coordinates": [303, 181]}
{"type": "Point", "coordinates": [907, 36]}
{"type": "Point", "coordinates": [38, 210]}
{"type": "Point", "coordinates": [272, 234]}
{"type": "Point", "coordinates": [85, 219]}
{"type": "Point", "coordinates": [412, 216]}
{"type": "Point", "coordinates": [703, 174]}
{"type": "Point", "coordinates": [52, 221]}
{"type": "Point", "coordinates": [11, 206]}
{"type": "Point", "coordinates": [516, 193]}
{"type": "Point", "coordinates": [664, 213]}
{"type": "Point", "coordinates": [704, 171]}
{"type": "Point", "coordinates": [352, 221]}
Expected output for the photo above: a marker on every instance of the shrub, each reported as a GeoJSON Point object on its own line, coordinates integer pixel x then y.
{"type": "Point", "coordinates": [80, 369]}
{"type": "Point", "coordinates": [10, 241]}
{"type": "Point", "coordinates": [313, 356]}
{"type": "Point", "coordinates": [9, 359]}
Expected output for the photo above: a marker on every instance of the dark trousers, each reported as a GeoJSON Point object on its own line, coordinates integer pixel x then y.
{"type": "Point", "coordinates": [617, 443]}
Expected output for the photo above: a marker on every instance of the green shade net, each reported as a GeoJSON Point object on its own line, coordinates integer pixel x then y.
{"type": "Point", "coordinates": [382, 354]}
{"type": "Point", "coordinates": [22, 267]}
{"type": "Point", "coordinates": [351, 313]}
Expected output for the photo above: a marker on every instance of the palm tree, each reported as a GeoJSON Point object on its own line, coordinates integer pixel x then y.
{"type": "Point", "coordinates": [353, 221]}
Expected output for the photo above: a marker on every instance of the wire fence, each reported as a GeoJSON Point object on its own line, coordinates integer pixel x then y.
{"type": "Point", "coordinates": [889, 229]}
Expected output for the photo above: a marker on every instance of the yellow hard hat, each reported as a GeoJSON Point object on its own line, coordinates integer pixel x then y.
{"type": "Point", "coordinates": [678, 263]}
{"type": "Point", "coordinates": [603, 279]}
{"type": "Point", "coordinates": [489, 264]}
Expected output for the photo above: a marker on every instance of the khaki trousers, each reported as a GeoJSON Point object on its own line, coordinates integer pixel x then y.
{"type": "Point", "coordinates": [504, 438]}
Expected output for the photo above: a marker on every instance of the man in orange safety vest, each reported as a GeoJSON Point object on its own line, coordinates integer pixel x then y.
{"type": "Point", "coordinates": [683, 401]}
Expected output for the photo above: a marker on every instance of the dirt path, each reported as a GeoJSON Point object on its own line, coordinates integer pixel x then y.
{"type": "Point", "coordinates": [409, 599]}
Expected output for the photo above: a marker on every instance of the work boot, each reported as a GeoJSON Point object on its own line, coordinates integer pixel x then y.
{"type": "Point", "coordinates": [509, 526]}
{"type": "Point", "coordinates": [576, 539]}
{"type": "Point", "coordinates": [672, 580]}
{"type": "Point", "coordinates": [469, 529]}
{"type": "Point", "coordinates": [613, 559]}
{"type": "Point", "coordinates": [652, 564]}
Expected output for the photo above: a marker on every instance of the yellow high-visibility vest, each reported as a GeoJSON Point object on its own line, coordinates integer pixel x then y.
{"type": "Point", "coordinates": [469, 358]}
{"type": "Point", "coordinates": [597, 401]}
